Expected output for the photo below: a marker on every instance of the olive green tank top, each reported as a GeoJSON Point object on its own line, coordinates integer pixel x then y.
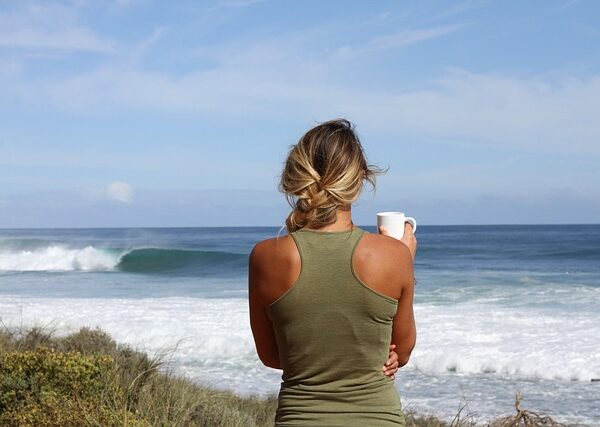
{"type": "Point", "coordinates": [333, 334]}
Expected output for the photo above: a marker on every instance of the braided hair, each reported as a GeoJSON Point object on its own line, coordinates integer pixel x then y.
{"type": "Point", "coordinates": [324, 171]}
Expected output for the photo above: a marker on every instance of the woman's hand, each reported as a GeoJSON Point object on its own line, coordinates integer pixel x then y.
{"type": "Point", "coordinates": [391, 366]}
{"type": "Point", "coordinates": [408, 238]}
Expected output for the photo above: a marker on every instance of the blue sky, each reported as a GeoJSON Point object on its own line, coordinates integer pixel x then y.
{"type": "Point", "coordinates": [146, 113]}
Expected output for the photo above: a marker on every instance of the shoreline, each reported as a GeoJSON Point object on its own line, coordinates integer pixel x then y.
{"type": "Point", "coordinates": [119, 385]}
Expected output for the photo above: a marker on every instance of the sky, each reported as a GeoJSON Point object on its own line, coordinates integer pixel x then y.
{"type": "Point", "coordinates": [158, 113]}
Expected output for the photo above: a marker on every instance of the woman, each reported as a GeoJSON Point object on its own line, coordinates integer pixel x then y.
{"type": "Point", "coordinates": [330, 300]}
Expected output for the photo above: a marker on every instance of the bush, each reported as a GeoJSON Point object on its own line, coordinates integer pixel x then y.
{"type": "Point", "coordinates": [43, 387]}
{"type": "Point", "coordinates": [86, 378]}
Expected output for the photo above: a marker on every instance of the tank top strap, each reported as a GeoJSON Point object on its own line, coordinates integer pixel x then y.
{"type": "Point", "coordinates": [324, 251]}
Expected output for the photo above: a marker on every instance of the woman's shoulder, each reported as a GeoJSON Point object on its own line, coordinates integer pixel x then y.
{"type": "Point", "coordinates": [384, 262]}
{"type": "Point", "coordinates": [274, 264]}
{"type": "Point", "coordinates": [273, 245]}
{"type": "Point", "coordinates": [277, 251]}
{"type": "Point", "coordinates": [379, 244]}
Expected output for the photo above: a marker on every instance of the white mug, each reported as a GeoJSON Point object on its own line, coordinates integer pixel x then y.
{"type": "Point", "coordinates": [394, 223]}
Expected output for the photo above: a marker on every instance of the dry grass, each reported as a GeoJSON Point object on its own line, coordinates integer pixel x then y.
{"type": "Point", "coordinates": [524, 418]}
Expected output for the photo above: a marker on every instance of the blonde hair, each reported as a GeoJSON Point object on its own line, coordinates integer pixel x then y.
{"type": "Point", "coordinates": [324, 171]}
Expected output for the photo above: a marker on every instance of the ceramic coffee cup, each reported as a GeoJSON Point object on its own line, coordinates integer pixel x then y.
{"type": "Point", "coordinates": [394, 223]}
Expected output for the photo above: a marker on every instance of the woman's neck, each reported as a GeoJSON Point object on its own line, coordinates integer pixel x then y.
{"type": "Point", "coordinates": [343, 221]}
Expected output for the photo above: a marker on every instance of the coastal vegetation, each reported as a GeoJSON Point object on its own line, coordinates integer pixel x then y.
{"type": "Point", "coordinates": [88, 379]}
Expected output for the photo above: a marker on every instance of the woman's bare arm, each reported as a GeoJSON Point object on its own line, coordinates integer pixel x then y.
{"type": "Point", "coordinates": [404, 331]}
{"type": "Point", "coordinates": [262, 329]}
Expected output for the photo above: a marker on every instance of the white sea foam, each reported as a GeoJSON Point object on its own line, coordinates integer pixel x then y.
{"type": "Point", "coordinates": [58, 258]}
{"type": "Point", "coordinates": [525, 343]}
{"type": "Point", "coordinates": [215, 335]}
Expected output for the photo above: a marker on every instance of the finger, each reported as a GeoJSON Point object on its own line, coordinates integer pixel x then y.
{"type": "Point", "coordinates": [392, 346]}
{"type": "Point", "coordinates": [390, 373]}
{"type": "Point", "coordinates": [383, 230]}
{"type": "Point", "coordinates": [408, 227]}
{"type": "Point", "coordinates": [392, 359]}
{"type": "Point", "coordinates": [392, 367]}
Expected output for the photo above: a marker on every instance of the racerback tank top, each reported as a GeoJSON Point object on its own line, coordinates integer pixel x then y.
{"type": "Point", "coordinates": [333, 334]}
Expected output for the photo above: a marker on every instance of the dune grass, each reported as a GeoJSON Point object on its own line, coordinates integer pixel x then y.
{"type": "Point", "coordinates": [87, 379]}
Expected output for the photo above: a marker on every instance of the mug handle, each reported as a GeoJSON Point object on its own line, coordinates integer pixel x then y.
{"type": "Point", "coordinates": [412, 222]}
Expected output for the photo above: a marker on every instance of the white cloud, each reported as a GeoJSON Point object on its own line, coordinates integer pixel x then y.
{"type": "Point", "coordinates": [461, 107]}
{"type": "Point", "coordinates": [65, 39]}
{"type": "Point", "coordinates": [505, 111]}
{"type": "Point", "coordinates": [396, 40]}
{"type": "Point", "coordinates": [237, 3]}
{"type": "Point", "coordinates": [406, 38]}
{"type": "Point", "coordinates": [49, 27]}
{"type": "Point", "coordinates": [127, 3]}
{"type": "Point", "coordinates": [119, 191]}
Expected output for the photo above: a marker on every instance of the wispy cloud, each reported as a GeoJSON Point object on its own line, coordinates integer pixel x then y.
{"type": "Point", "coordinates": [238, 3]}
{"type": "Point", "coordinates": [38, 26]}
{"type": "Point", "coordinates": [78, 39]}
{"type": "Point", "coordinates": [406, 38]}
{"type": "Point", "coordinates": [397, 40]}
{"type": "Point", "coordinates": [506, 111]}
{"type": "Point", "coordinates": [459, 107]}
{"type": "Point", "coordinates": [567, 4]}
{"type": "Point", "coordinates": [127, 3]}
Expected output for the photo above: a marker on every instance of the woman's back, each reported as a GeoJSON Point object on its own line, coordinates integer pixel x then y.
{"type": "Point", "coordinates": [327, 312]}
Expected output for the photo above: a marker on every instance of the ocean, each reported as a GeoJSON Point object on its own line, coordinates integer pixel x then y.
{"type": "Point", "coordinates": [499, 309]}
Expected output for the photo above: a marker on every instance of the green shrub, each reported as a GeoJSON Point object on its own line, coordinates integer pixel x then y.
{"type": "Point", "coordinates": [43, 387]}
